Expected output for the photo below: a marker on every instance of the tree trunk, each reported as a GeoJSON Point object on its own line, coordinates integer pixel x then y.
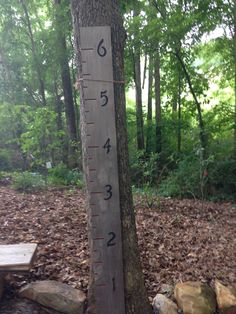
{"type": "Point", "coordinates": [179, 115]}
{"type": "Point", "coordinates": [67, 86]}
{"type": "Point", "coordinates": [149, 112]}
{"type": "Point", "coordinates": [35, 55]}
{"type": "Point", "coordinates": [202, 134]}
{"type": "Point", "coordinates": [158, 102]}
{"type": "Point", "coordinates": [100, 13]}
{"type": "Point", "coordinates": [138, 92]}
{"type": "Point", "coordinates": [234, 52]}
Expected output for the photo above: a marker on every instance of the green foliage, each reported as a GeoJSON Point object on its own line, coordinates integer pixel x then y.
{"type": "Point", "coordinates": [222, 176]}
{"type": "Point", "coordinates": [62, 175]}
{"type": "Point", "coordinates": [5, 160]}
{"type": "Point", "coordinates": [28, 182]}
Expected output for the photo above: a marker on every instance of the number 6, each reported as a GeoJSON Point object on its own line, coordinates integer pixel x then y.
{"type": "Point", "coordinates": [101, 49]}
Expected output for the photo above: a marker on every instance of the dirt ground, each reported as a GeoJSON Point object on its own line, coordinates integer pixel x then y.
{"type": "Point", "coordinates": [179, 239]}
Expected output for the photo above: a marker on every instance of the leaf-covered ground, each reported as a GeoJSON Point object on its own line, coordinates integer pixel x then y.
{"type": "Point", "coordinates": [179, 239]}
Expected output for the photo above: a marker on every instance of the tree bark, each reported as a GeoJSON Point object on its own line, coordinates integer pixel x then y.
{"type": "Point", "coordinates": [234, 53]}
{"type": "Point", "coordinates": [100, 13]}
{"type": "Point", "coordinates": [66, 85]}
{"type": "Point", "coordinates": [149, 112]}
{"type": "Point", "coordinates": [158, 102]}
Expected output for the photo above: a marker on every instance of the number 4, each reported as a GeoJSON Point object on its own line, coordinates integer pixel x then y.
{"type": "Point", "coordinates": [107, 145]}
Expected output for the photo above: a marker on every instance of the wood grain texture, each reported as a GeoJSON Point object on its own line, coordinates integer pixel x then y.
{"type": "Point", "coordinates": [17, 257]}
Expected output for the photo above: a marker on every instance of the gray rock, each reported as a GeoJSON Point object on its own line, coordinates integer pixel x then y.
{"type": "Point", "coordinates": [55, 295]}
{"type": "Point", "coordinates": [163, 305]}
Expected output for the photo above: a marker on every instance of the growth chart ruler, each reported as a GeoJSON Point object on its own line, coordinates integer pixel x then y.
{"type": "Point", "coordinates": [102, 169]}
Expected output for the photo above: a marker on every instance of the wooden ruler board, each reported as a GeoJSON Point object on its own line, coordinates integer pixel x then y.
{"type": "Point", "coordinates": [101, 169]}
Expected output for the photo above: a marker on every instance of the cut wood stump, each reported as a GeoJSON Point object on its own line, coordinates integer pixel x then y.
{"type": "Point", "coordinates": [17, 257]}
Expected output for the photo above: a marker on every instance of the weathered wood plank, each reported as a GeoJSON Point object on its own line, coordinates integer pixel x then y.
{"type": "Point", "coordinates": [17, 257]}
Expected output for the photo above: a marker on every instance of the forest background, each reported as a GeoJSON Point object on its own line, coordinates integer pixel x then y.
{"type": "Point", "coordinates": [180, 61]}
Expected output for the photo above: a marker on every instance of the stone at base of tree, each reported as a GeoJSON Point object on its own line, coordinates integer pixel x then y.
{"type": "Point", "coordinates": [226, 298]}
{"type": "Point", "coordinates": [2, 280]}
{"type": "Point", "coordinates": [55, 295]}
{"type": "Point", "coordinates": [162, 305]}
{"type": "Point", "coordinates": [195, 298]}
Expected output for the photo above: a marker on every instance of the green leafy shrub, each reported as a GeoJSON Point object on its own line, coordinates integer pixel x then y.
{"type": "Point", "coordinates": [28, 181]}
{"type": "Point", "coordinates": [5, 160]}
{"type": "Point", "coordinates": [222, 177]}
{"type": "Point", "coordinates": [184, 181]}
{"type": "Point", "coordinates": [62, 175]}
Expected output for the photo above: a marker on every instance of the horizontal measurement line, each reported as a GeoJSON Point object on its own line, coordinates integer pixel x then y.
{"type": "Point", "coordinates": [86, 74]}
{"type": "Point", "coordinates": [95, 216]}
{"type": "Point", "coordinates": [92, 169]}
{"type": "Point", "coordinates": [93, 146]}
{"type": "Point", "coordinates": [88, 135]}
{"type": "Point", "coordinates": [84, 61]}
{"type": "Point", "coordinates": [97, 262]}
{"type": "Point", "coordinates": [90, 99]}
{"type": "Point", "coordinates": [98, 239]}
{"type": "Point", "coordinates": [86, 49]}
{"type": "Point", "coordinates": [90, 123]}
{"type": "Point", "coordinates": [87, 111]}
{"type": "Point", "coordinates": [85, 86]}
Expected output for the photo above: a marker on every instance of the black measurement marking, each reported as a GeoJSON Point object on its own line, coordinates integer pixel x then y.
{"type": "Point", "coordinates": [86, 74]}
{"type": "Point", "coordinates": [98, 262]}
{"type": "Point", "coordinates": [90, 123]}
{"type": "Point", "coordinates": [92, 170]}
{"type": "Point", "coordinates": [85, 86]}
{"type": "Point", "coordinates": [114, 284]}
{"type": "Point", "coordinates": [109, 192]}
{"type": "Point", "coordinates": [98, 239]}
{"type": "Point", "coordinates": [104, 97]}
{"type": "Point", "coordinates": [86, 49]}
{"type": "Point", "coordinates": [87, 111]}
{"type": "Point", "coordinates": [84, 61]}
{"type": "Point", "coordinates": [107, 145]}
{"type": "Point", "coordinates": [95, 216]}
{"type": "Point", "coordinates": [93, 146]}
{"type": "Point", "coordinates": [88, 135]}
{"type": "Point", "coordinates": [113, 236]}
{"type": "Point", "coordinates": [90, 99]}
{"type": "Point", "coordinates": [101, 50]}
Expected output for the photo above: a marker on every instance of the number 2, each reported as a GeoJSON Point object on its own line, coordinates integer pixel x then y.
{"type": "Point", "coordinates": [113, 236]}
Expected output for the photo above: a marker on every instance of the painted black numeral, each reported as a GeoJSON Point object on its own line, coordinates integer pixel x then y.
{"type": "Point", "coordinates": [107, 145]}
{"type": "Point", "coordinates": [114, 284]}
{"type": "Point", "coordinates": [109, 192]}
{"type": "Point", "coordinates": [104, 97]}
{"type": "Point", "coordinates": [111, 241]}
{"type": "Point", "coordinates": [101, 49]}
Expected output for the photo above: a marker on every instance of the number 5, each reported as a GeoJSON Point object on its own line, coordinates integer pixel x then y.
{"type": "Point", "coordinates": [104, 97]}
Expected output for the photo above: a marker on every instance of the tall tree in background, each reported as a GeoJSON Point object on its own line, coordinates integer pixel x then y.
{"type": "Point", "coordinates": [100, 13]}
{"type": "Point", "coordinates": [137, 81]}
{"type": "Point", "coordinates": [60, 20]}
